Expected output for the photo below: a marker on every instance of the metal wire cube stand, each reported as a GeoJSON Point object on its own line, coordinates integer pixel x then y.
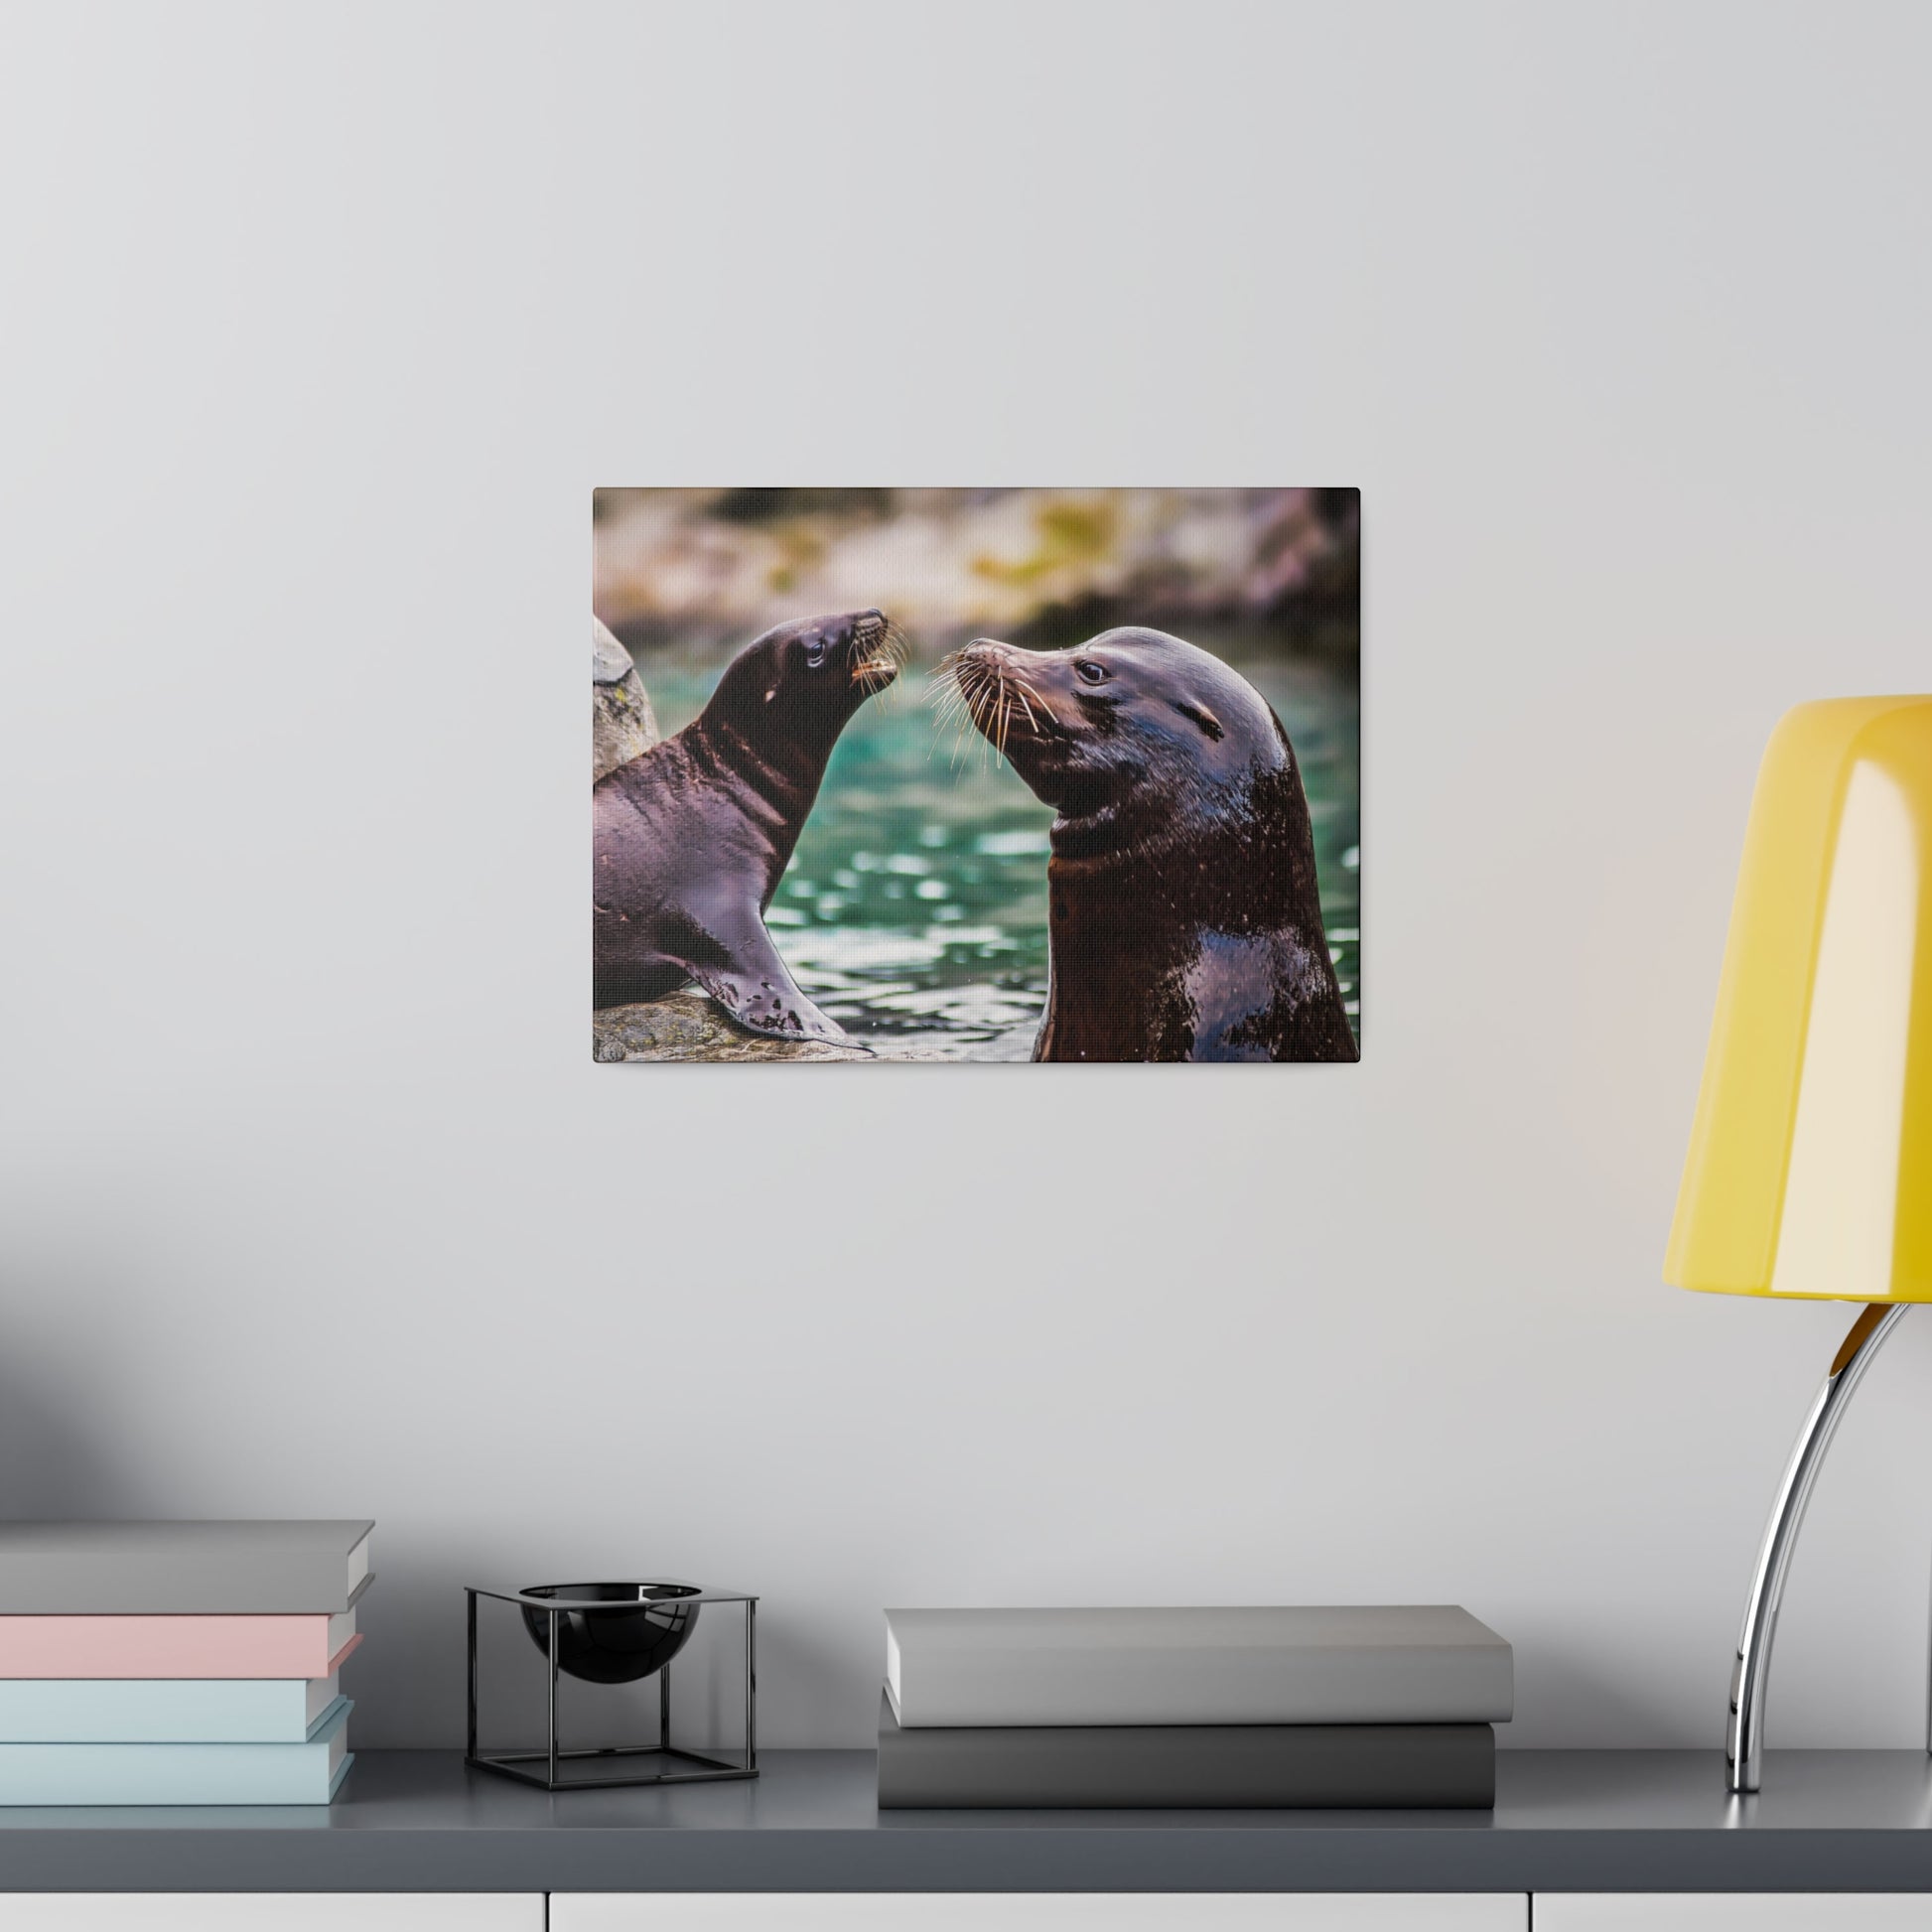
{"type": "Point", "coordinates": [598, 1767]}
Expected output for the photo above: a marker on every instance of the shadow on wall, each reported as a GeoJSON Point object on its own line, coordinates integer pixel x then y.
{"type": "Point", "coordinates": [53, 1458]}
{"type": "Point", "coordinates": [799, 1658]}
{"type": "Point", "coordinates": [1578, 1695]}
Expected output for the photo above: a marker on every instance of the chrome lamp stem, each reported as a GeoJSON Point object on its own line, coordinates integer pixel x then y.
{"type": "Point", "coordinates": [1744, 1734]}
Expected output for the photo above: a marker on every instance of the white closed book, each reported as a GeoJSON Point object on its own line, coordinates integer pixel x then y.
{"type": "Point", "coordinates": [1361, 1663]}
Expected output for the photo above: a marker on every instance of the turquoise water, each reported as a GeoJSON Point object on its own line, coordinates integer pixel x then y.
{"type": "Point", "coordinates": [916, 903]}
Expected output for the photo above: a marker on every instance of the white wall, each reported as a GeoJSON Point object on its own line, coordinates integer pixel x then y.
{"type": "Point", "coordinates": [321, 325]}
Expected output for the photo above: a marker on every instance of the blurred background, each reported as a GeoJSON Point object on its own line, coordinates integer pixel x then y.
{"type": "Point", "coordinates": [915, 906]}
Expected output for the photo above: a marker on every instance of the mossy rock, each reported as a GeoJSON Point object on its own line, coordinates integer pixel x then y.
{"type": "Point", "coordinates": [689, 1027]}
{"type": "Point", "coordinates": [623, 726]}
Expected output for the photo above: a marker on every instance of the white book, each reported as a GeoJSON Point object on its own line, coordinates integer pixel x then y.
{"type": "Point", "coordinates": [1430, 1663]}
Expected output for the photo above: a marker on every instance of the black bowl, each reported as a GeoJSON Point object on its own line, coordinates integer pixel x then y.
{"type": "Point", "coordinates": [644, 1628]}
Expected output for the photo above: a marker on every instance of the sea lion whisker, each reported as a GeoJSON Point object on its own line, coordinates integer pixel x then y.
{"type": "Point", "coordinates": [969, 686]}
{"type": "Point", "coordinates": [992, 711]}
{"type": "Point", "coordinates": [973, 689]}
{"type": "Point", "coordinates": [959, 742]}
{"type": "Point", "coordinates": [945, 682]}
{"type": "Point", "coordinates": [937, 734]}
{"type": "Point", "coordinates": [952, 698]}
{"type": "Point", "coordinates": [979, 697]}
{"type": "Point", "coordinates": [985, 704]}
{"type": "Point", "coordinates": [992, 696]}
{"type": "Point", "coordinates": [945, 697]}
{"type": "Point", "coordinates": [947, 705]}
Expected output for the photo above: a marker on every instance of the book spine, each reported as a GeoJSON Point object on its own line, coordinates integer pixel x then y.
{"type": "Point", "coordinates": [955, 1686]}
{"type": "Point", "coordinates": [163, 1647]}
{"type": "Point", "coordinates": [57, 1777]}
{"type": "Point", "coordinates": [275, 1575]}
{"type": "Point", "coordinates": [156, 1711]}
{"type": "Point", "coordinates": [177, 1774]}
{"type": "Point", "coordinates": [1169, 1767]}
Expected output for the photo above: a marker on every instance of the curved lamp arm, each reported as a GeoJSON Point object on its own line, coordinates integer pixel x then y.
{"type": "Point", "coordinates": [1744, 1734]}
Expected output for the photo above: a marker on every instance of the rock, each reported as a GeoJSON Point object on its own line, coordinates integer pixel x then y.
{"type": "Point", "coordinates": [687, 1026]}
{"type": "Point", "coordinates": [622, 725]}
{"type": "Point", "coordinates": [709, 569]}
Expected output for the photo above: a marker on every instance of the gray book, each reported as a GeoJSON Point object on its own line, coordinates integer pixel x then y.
{"type": "Point", "coordinates": [1185, 1766]}
{"type": "Point", "coordinates": [1401, 1664]}
{"type": "Point", "coordinates": [234, 1569]}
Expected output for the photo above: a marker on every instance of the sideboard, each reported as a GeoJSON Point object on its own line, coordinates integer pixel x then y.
{"type": "Point", "coordinates": [1578, 1842]}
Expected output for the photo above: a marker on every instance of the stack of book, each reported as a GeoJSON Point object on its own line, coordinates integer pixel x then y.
{"type": "Point", "coordinates": [177, 1663]}
{"type": "Point", "coordinates": [1170, 1708]}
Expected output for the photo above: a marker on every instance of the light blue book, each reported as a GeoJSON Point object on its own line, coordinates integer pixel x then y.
{"type": "Point", "coordinates": [308, 1773]}
{"type": "Point", "coordinates": [165, 1709]}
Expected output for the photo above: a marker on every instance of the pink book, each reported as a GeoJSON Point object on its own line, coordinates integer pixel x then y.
{"type": "Point", "coordinates": [174, 1646]}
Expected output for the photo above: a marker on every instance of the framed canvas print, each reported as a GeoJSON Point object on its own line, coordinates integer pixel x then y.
{"type": "Point", "coordinates": [1020, 774]}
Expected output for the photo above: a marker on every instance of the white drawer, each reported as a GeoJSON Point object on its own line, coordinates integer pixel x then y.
{"type": "Point", "coordinates": [242, 1911]}
{"type": "Point", "coordinates": [1691, 1911]}
{"type": "Point", "coordinates": [1037, 1912]}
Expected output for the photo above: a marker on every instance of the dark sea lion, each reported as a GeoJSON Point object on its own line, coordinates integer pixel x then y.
{"type": "Point", "coordinates": [1183, 918]}
{"type": "Point", "coordinates": [692, 837]}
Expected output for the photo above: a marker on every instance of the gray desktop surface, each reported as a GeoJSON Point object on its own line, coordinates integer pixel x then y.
{"type": "Point", "coordinates": [1564, 1821]}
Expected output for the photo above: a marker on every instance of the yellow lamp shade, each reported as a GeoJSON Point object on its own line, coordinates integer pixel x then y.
{"type": "Point", "coordinates": [1810, 1170]}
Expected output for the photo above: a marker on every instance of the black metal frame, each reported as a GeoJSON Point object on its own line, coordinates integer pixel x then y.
{"type": "Point", "coordinates": [555, 1759]}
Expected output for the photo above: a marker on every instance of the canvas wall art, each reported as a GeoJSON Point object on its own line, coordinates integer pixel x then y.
{"type": "Point", "coordinates": [1014, 775]}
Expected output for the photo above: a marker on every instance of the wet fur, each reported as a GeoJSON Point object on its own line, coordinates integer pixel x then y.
{"type": "Point", "coordinates": [692, 837]}
{"type": "Point", "coordinates": [1185, 916]}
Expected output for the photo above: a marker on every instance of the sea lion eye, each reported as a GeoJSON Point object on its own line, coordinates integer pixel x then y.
{"type": "Point", "coordinates": [1090, 672]}
{"type": "Point", "coordinates": [815, 653]}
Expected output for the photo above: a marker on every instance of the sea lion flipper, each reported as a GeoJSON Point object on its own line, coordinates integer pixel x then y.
{"type": "Point", "coordinates": [758, 991]}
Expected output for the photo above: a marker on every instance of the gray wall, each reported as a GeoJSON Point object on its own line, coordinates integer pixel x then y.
{"type": "Point", "coordinates": [322, 326]}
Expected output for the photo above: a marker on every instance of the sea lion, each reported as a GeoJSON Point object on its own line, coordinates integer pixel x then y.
{"type": "Point", "coordinates": [1184, 922]}
{"type": "Point", "coordinates": [692, 837]}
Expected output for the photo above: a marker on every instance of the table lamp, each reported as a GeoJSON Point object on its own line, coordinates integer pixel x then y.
{"type": "Point", "coordinates": [1810, 1168]}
